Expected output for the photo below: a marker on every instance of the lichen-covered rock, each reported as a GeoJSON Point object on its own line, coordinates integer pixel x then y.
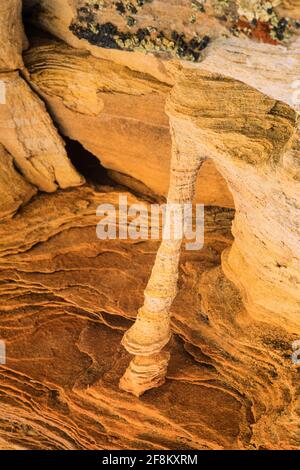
{"type": "Point", "coordinates": [177, 28]}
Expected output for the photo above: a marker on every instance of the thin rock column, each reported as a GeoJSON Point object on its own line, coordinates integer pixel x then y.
{"type": "Point", "coordinates": [148, 337]}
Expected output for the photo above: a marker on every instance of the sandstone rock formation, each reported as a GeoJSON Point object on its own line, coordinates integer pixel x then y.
{"type": "Point", "coordinates": [254, 141]}
{"type": "Point", "coordinates": [28, 134]}
{"type": "Point", "coordinates": [14, 189]}
{"type": "Point", "coordinates": [67, 298]}
{"type": "Point", "coordinates": [78, 23]}
{"type": "Point", "coordinates": [12, 40]}
{"type": "Point", "coordinates": [151, 331]}
{"type": "Point", "coordinates": [117, 114]}
{"type": "Point", "coordinates": [259, 149]}
{"type": "Point", "coordinates": [26, 130]}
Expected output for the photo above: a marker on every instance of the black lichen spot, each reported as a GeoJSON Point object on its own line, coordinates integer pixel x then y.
{"type": "Point", "coordinates": [204, 42]}
{"type": "Point", "coordinates": [282, 23]}
{"type": "Point", "coordinates": [85, 15]}
{"type": "Point", "coordinates": [130, 21]}
{"type": "Point", "coordinates": [142, 33]}
{"type": "Point", "coordinates": [197, 5]}
{"type": "Point", "coordinates": [101, 35]}
{"type": "Point", "coordinates": [120, 8]}
{"type": "Point", "coordinates": [190, 50]}
{"type": "Point", "coordinates": [280, 28]}
{"type": "Point", "coordinates": [132, 9]}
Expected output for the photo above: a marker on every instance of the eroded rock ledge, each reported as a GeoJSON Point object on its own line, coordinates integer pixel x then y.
{"type": "Point", "coordinates": [26, 130]}
{"type": "Point", "coordinates": [107, 107]}
{"type": "Point", "coordinates": [231, 111]}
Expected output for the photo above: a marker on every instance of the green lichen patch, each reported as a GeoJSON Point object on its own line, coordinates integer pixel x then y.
{"type": "Point", "coordinates": [257, 19]}
{"type": "Point", "coordinates": [148, 39]}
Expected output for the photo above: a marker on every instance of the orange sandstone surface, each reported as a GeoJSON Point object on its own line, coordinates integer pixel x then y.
{"type": "Point", "coordinates": [90, 112]}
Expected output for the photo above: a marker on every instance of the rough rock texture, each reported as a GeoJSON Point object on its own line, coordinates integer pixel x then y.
{"type": "Point", "coordinates": [80, 24]}
{"type": "Point", "coordinates": [26, 129]}
{"type": "Point", "coordinates": [115, 113]}
{"type": "Point", "coordinates": [151, 331]}
{"type": "Point", "coordinates": [59, 281]}
{"type": "Point", "coordinates": [27, 132]}
{"type": "Point", "coordinates": [56, 16]}
{"type": "Point", "coordinates": [254, 141]}
{"type": "Point", "coordinates": [290, 7]}
{"type": "Point", "coordinates": [262, 171]}
{"type": "Point", "coordinates": [12, 39]}
{"type": "Point", "coordinates": [67, 297]}
{"type": "Point", "coordinates": [14, 190]}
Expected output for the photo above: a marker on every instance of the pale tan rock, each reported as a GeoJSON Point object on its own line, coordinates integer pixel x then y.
{"type": "Point", "coordinates": [255, 9]}
{"type": "Point", "coordinates": [213, 115]}
{"type": "Point", "coordinates": [12, 36]}
{"type": "Point", "coordinates": [76, 76]}
{"type": "Point", "coordinates": [145, 372]}
{"type": "Point", "coordinates": [254, 141]}
{"type": "Point", "coordinates": [14, 190]}
{"type": "Point", "coordinates": [255, 144]}
{"type": "Point", "coordinates": [271, 70]}
{"type": "Point", "coordinates": [27, 132]}
{"type": "Point", "coordinates": [290, 7]}
{"type": "Point", "coordinates": [152, 329]}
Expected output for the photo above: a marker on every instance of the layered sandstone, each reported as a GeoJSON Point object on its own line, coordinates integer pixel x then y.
{"type": "Point", "coordinates": [26, 130]}
{"type": "Point", "coordinates": [117, 114]}
{"type": "Point", "coordinates": [67, 298]}
{"type": "Point", "coordinates": [12, 39]}
{"type": "Point", "coordinates": [253, 137]}
{"type": "Point", "coordinates": [14, 189]}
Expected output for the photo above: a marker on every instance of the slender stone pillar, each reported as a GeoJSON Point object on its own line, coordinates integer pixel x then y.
{"type": "Point", "coordinates": [151, 332]}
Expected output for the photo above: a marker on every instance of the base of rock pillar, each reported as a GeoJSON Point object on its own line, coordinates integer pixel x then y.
{"type": "Point", "coordinates": [145, 372]}
{"type": "Point", "coordinates": [148, 335]}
